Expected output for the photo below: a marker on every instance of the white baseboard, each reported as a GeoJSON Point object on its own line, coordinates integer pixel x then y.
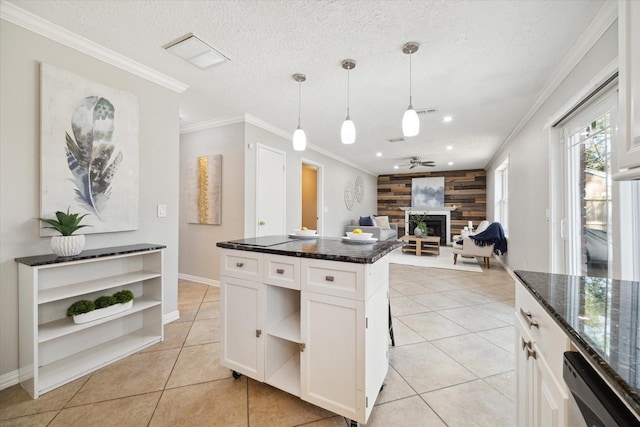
{"type": "Point", "coordinates": [197, 279]}
{"type": "Point", "coordinates": [171, 317]}
{"type": "Point", "coordinates": [9, 379]}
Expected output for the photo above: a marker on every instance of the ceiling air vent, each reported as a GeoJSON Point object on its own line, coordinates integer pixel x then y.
{"type": "Point", "coordinates": [426, 111]}
{"type": "Point", "coordinates": [196, 52]}
{"type": "Point", "coordinates": [395, 139]}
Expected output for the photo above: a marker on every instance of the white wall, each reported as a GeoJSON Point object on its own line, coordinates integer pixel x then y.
{"type": "Point", "coordinates": [21, 52]}
{"type": "Point", "coordinates": [530, 185]}
{"type": "Point", "coordinates": [199, 257]}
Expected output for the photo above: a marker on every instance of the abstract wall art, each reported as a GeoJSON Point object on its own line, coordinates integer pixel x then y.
{"type": "Point", "coordinates": [427, 192]}
{"type": "Point", "coordinates": [89, 151]}
{"type": "Point", "coordinates": [204, 179]}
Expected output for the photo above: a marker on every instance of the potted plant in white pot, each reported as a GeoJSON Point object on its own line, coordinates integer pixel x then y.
{"type": "Point", "coordinates": [67, 244]}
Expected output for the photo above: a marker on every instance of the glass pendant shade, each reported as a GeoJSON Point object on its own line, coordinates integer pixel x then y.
{"type": "Point", "coordinates": [299, 140]}
{"type": "Point", "coordinates": [299, 137]}
{"type": "Point", "coordinates": [410, 122]}
{"type": "Point", "coordinates": [348, 131]}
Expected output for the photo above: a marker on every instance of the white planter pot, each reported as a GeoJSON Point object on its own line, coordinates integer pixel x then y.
{"type": "Point", "coordinates": [67, 245]}
{"type": "Point", "coordinates": [102, 312]}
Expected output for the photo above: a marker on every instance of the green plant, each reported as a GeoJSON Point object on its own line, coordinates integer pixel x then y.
{"type": "Point", "coordinates": [123, 296]}
{"type": "Point", "coordinates": [65, 223]}
{"type": "Point", "coordinates": [418, 222]}
{"type": "Point", "coordinates": [105, 301]}
{"type": "Point", "coordinates": [79, 307]}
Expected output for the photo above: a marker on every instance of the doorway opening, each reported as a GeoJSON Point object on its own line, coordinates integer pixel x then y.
{"type": "Point", "coordinates": [311, 184]}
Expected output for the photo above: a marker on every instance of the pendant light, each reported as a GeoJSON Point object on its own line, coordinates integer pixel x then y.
{"type": "Point", "coordinates": [299, 137]}
{"type": "Point", "coordinates": [410, 120]}
{"type": "Point", "coordinates": [348, 130]}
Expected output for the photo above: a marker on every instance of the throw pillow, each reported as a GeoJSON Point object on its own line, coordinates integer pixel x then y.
{"type": "Point", "coordinates": [382, 222]}
{"type": "Point", "coordinates": [366, 221]}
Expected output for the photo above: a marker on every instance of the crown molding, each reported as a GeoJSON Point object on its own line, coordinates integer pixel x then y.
{"type": "Point", "coordinates": [253, 120]}
{"type": "Point", "coordinates": [27, 20]}
{"type": "Point", "coordinates": [211, 124]}
{"type": "Point", "coordinates": [604, 19]}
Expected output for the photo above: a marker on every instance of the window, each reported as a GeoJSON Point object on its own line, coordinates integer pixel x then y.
{"type": "Point", "coordinates": [501, 210]}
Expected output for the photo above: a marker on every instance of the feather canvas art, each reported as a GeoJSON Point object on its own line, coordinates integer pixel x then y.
{"type": "Point", "coordinates": [89, 157]}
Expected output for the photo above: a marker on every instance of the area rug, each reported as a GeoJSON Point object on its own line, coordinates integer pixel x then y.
{"type": "Point", "coordinates": [444, 260]}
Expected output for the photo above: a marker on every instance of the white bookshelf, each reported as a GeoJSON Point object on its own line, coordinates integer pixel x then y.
{"type": "Point", "coordinates": [53, 349]}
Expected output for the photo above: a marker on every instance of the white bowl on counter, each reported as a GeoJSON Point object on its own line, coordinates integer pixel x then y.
{"type": "Point", "coordinates": [304, 232]}
{"type": "Point", "coordinates": [359, 236]}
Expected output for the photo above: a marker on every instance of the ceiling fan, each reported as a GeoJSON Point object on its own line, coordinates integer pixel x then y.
{"type": "Point", "coordinates": [415, 161]}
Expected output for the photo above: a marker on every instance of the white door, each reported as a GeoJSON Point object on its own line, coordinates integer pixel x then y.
{"type": "Point", "coordinates": [270, 191]}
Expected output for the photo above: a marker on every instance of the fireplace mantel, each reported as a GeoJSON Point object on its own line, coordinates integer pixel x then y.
{"type": "Point", "coordinates": [444, 210]}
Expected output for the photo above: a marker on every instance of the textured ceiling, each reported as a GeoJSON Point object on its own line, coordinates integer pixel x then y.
{"type": "Point", "coordinates": [482, 62]}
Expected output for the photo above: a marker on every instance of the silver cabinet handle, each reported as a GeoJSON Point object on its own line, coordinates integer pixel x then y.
{"type": "Point", "coordinates": [527, 316]}
{"type": "Point", "coordinates": [531, 353]}
{"type": "Point", "coordinates": [258, 333]}
{"type": "Point", "coordinates": [526, 344]}
{"type": "Point", "coordinates": [328, 278]}
{"type": "Point", "coordinates": [280, 270]}
{"type": "Point", "coordinates": [239, 264]}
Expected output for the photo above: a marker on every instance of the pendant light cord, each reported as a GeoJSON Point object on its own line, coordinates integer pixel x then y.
{"type": "Point", "coordinates": [348, 86]}
{"type": "Point", "coordinates": [299, 105]}
{"type": "Point", "coordinates": [410, 100]}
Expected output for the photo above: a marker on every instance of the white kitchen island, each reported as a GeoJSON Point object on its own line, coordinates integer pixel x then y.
{"type": "Point", "coordinates": [309, 317]}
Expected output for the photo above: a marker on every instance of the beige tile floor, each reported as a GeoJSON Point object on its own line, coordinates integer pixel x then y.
{"type": "Point", "coordinates": [453, 365]}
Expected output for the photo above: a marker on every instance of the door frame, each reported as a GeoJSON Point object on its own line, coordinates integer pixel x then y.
{"type": "Point", "coordinates": [320, 191]}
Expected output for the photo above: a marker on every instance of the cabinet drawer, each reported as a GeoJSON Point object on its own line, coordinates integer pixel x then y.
{"type": "Point", "coordinates": [282, 271]}
{"type": "Point", "coordinates": [242, 264]}
{"type": "Point", "coordinates": [547, 335]}
{"type": "Point", "coordinates": [341, 279]}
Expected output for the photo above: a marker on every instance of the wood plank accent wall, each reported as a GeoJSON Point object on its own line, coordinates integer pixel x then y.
{"type": "Point", "coordinates": [466, 189]}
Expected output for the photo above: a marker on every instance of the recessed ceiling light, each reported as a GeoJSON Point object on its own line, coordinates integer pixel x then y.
{"type": "Point", "coordinates": [379, 154]}
{"type": "Point", "coordinates": [196, 52]}
{"type": "Point", "coordinates": [450, 163]}
{"type": "Point", "coordinates": [395, 166]}
{"type": "Point", "coordinates": [447, 119]}
{"type": "Point", "coordinates": [449, 147]}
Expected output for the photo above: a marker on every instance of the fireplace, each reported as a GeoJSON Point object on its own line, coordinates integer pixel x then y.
{"type": "Point", "coordinates": [438, 221]}
{"type": "Point", "coordinates": [436, 225]}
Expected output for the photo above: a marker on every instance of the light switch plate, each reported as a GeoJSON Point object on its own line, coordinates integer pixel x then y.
{"type": "Point", "coordinates": [162, 211]}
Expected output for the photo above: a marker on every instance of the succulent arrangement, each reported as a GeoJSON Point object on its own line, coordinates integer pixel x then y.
{"type": "Point", "coordinates": [65, 223]}
{"type": "Point", "coordinates": [85, 306]}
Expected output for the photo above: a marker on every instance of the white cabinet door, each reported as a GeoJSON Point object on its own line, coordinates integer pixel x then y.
{"type": "Point", "coordinates": [332, 362]}
{"type": "Point", "coordinates": [241, 320]}
{"type": "Point", "coordinates": [524, 377]}
{"type": "Point", "coordinates": [541, 400]}
{"type": "Point", "coordinates": [550, 403]}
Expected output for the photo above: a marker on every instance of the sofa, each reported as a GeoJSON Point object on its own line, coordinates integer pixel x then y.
{"type": "Point", "coordinates": [379, 233]}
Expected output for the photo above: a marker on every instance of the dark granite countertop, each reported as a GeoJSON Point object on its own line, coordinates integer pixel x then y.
{"type": "Point", "coordinates": [331, 249]}
{"type": "Point", "coordinates": [602, 318]}
{"type": "Point", "coordinates": [37, 260]}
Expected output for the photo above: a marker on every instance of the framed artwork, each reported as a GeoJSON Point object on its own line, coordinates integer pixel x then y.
{"type": "Point", "coordinates": [89, 152]}
{"type": "Point", "coordinates": [204, 179]}
{"type": "Point", "coordinates": [427, 192]}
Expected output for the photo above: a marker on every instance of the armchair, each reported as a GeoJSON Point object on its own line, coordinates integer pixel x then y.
{"type": "Point", "coordinates": [468, 248]}
{"type": "Point", "coordinates": [482, 244]}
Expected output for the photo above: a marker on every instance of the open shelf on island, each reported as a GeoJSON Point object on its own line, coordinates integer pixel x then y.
{"type": "Point", "coordinates": [287, 378]}
{"type": "Point", "coordinates": [288, 329]}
